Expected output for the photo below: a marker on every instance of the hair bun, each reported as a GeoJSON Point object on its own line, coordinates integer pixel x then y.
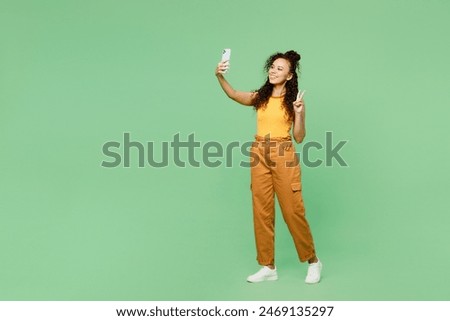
{"type": "Point", "coordinates": [293, 55]}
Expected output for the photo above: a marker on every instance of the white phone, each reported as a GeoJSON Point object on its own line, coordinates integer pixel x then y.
{"type": "Point", "coordinates": [300, 94]}
{"type": "Point", "coordinates": [226, 55]}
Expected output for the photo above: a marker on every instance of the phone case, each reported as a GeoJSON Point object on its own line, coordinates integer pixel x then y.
{"type": "Point", "coordinates": [226, 54]}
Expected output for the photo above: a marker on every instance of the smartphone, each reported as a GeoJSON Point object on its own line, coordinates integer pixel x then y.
{"type": "Point", "coordinates": [300, 94]}
{"type": "Point", "coordinates": [226, 54]}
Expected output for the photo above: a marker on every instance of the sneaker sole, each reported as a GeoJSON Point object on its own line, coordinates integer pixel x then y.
{"type": "Point", "coordinates": [270, 278]}
{"type": "Point", "coordinates": [312, 282]}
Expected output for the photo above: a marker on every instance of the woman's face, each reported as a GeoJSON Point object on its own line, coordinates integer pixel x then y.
{"type": "Point", "coordinates": [279, 71]}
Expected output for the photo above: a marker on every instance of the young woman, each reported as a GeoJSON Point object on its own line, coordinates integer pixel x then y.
{"type": "Point", "coordinates": [275, 167]}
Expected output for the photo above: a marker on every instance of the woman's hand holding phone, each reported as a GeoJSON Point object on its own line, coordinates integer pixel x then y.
{"type": "Point", "coordinates": [222, 67]}
{"type": "Point", "coordinates": [224, 64]}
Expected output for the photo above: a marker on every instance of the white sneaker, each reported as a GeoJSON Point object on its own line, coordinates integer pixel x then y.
{"type": "Point", "coordinates": [265, 274]}
{"type": "Point", "coordinates": [314, 270]}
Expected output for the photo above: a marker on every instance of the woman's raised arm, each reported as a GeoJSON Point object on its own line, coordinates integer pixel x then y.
{"type": "Point", "coordinates": [242, 97]}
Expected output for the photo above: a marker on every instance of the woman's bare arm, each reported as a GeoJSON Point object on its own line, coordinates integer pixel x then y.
{"type": "Point", "coordinates": [242, 97]}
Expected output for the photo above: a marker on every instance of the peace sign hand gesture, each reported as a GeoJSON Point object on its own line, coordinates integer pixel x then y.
{"type": "Point", "coordinates": [299, 104]}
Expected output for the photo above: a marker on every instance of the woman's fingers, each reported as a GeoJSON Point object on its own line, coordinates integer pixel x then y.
{"type": "Point", "coordinates": [298, 106]}
{"type": "Point", "coordinates": [298, 110]}
{"type": "Point", "coordinates": [223, 66]}
{"type": "Point", "coordinates": [300, 95]}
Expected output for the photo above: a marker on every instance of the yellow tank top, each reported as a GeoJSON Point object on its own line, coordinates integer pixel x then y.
{"type": "Point", "coordinates": [272, 119]}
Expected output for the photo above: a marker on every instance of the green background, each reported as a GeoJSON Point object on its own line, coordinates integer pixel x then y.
{"type": "Point", "coordinates": [77, 74]}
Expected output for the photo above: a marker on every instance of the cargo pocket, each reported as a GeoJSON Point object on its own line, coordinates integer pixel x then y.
{"type": "Point", "coordinates": [296, 187]}
{"type": "Point", "coordinates": [297, 198]}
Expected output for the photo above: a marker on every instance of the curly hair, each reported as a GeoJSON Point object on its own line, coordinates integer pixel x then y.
{"type": "Point", "coordinates": [265, 92]}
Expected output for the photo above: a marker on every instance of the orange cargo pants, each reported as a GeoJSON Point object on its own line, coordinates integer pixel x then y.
{"type": "Point", "coordinates": [275, 169]}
